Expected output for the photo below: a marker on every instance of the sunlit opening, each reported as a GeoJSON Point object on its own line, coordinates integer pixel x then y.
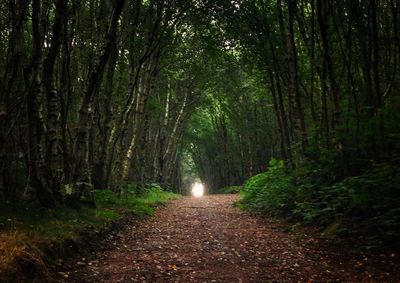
{"type": "Point", "coordinates": [198, 189]}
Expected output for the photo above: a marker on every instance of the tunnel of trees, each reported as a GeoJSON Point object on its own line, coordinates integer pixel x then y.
{"type": "Point", "coordinates": [98, 94]}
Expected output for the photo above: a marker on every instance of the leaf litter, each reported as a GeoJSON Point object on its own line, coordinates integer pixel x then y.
{"type": "Point", "coordinates": [208, 239]}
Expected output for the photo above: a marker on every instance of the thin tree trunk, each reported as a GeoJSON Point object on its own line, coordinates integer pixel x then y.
{"type": "Point", "coordinates": [15, 46]}
{"type": "Point", "coordinates": [54, 175]}
{"type": "Point", "coordinates": [141, 106]}
{"type": "Point", "coordinates": [293, 85]}
{"type": "Point", "coordinates": [284, 146]}
{"type": "Point", "coordinates": [37, 166]}
{"type": "Point", "coordinates": [65, 102]}
{"type": "Point", "coordinates": [100, 180]}
{"type": "Point", "coordinates": [80, 173]}
{"type": "Point", "coordinates": [376, 77]}
{"type": "Point", "coordinates": [333, 87]}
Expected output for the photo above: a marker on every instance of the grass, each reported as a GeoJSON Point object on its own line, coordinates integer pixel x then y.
{"type": "Point", "coordinates": [23, 228]}
{"type": "Point", "coordinates": [141, 204]}
{"type": "Point", "coordinates": [54, 224]}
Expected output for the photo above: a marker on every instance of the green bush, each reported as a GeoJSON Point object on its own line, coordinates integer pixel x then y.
{"type": "Point", "coordinates": [270, 192]}
{"type": "Point", "coordinates": [315, 193]}
{"type": "Point", "coordinates": [372, 196]}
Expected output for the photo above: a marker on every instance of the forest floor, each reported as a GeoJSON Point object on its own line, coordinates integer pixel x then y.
{"type": "Point", "coordinates": [208, 239]}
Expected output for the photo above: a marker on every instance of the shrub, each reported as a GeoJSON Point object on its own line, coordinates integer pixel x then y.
{"type": "Point", "coordinates": [316, 193]}
{"type": "Point", "coordinates": [270, 192]}
{"type": "Point", "coordinates": [368, 203]}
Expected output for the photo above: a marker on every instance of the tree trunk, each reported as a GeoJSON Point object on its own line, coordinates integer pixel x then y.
{"type": "Point", "coordinates": [140, 108]}
{"type": "Point", "coordinates": [296, 110]}
{"type": "Point", "coordinates": [333, 87]}
{"type": "Point", "coordinates": [37, 166]}
{"type": "Point", "coordinates": [54, 174]}
{"type": "Point", "coordinates": [80, 173]}
{"type": "Point", "coordinates": [284, 146]}
{"type": "Point", "coordinates": [100, 174]}
{"type": "Point", "coordinates": [15, 46]}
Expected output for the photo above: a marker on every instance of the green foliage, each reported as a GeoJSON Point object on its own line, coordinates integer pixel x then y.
{"type": "Point", "coordinates": [55, 224]}
{"type": "Point", "coordinates": [270, 192]}
{"type": "Point", "coordinates": [231, 190]}
{"type": "Point", "coordinates": [25, 229]}
{"type": "Point", "coordinates": [63, 221]}
{"type": "Point", "coordinates": [367, 203]}
{"type": "Point", "coordinates": [139, 201]}
{"type": "Point", "coordinates": [372, 197]}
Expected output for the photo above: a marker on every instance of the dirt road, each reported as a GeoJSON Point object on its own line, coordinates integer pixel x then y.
{"type": "Point", "coordinates": [207, 239]}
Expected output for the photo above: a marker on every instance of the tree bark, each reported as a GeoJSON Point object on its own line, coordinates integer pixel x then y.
{"type": "Point", "coordinates": [33, 79]}
{"type": "Point", "coordinates": [15, 46]}
{"type": "Point", "coordinates": [333, 87]}
{"type": "Point", "coordinates": [100, 174]}
{"type": "Point", "coordinates": [54, 174]}
{"type": "Point", "coordinates": [80, 173]}
{"type": "Point", "coordinates": [296, 110]}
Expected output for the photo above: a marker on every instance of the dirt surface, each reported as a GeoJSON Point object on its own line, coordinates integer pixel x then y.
{"type": "Point", "coordinates": [207, 239]}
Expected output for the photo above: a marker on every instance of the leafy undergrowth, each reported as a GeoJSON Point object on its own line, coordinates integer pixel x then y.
{"type": "Point", "coordinates": [25, 230]}
{"type": "Point", "coordinates": [268, 192]}
{"type": "Point", "coordinates": [365, 207]}
{"type": "Point", "coordinates": [140, 203]}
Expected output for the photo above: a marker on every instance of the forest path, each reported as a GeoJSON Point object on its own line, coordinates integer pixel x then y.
{"type": "Point", "coordinates": [207, 239]}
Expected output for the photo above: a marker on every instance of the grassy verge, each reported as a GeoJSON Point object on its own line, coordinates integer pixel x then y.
{"type": "Point", "coordinates": [24, 229]}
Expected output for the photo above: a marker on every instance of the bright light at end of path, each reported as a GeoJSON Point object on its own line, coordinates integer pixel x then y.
{"type": "Point", "coordinates": [198, 189]}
